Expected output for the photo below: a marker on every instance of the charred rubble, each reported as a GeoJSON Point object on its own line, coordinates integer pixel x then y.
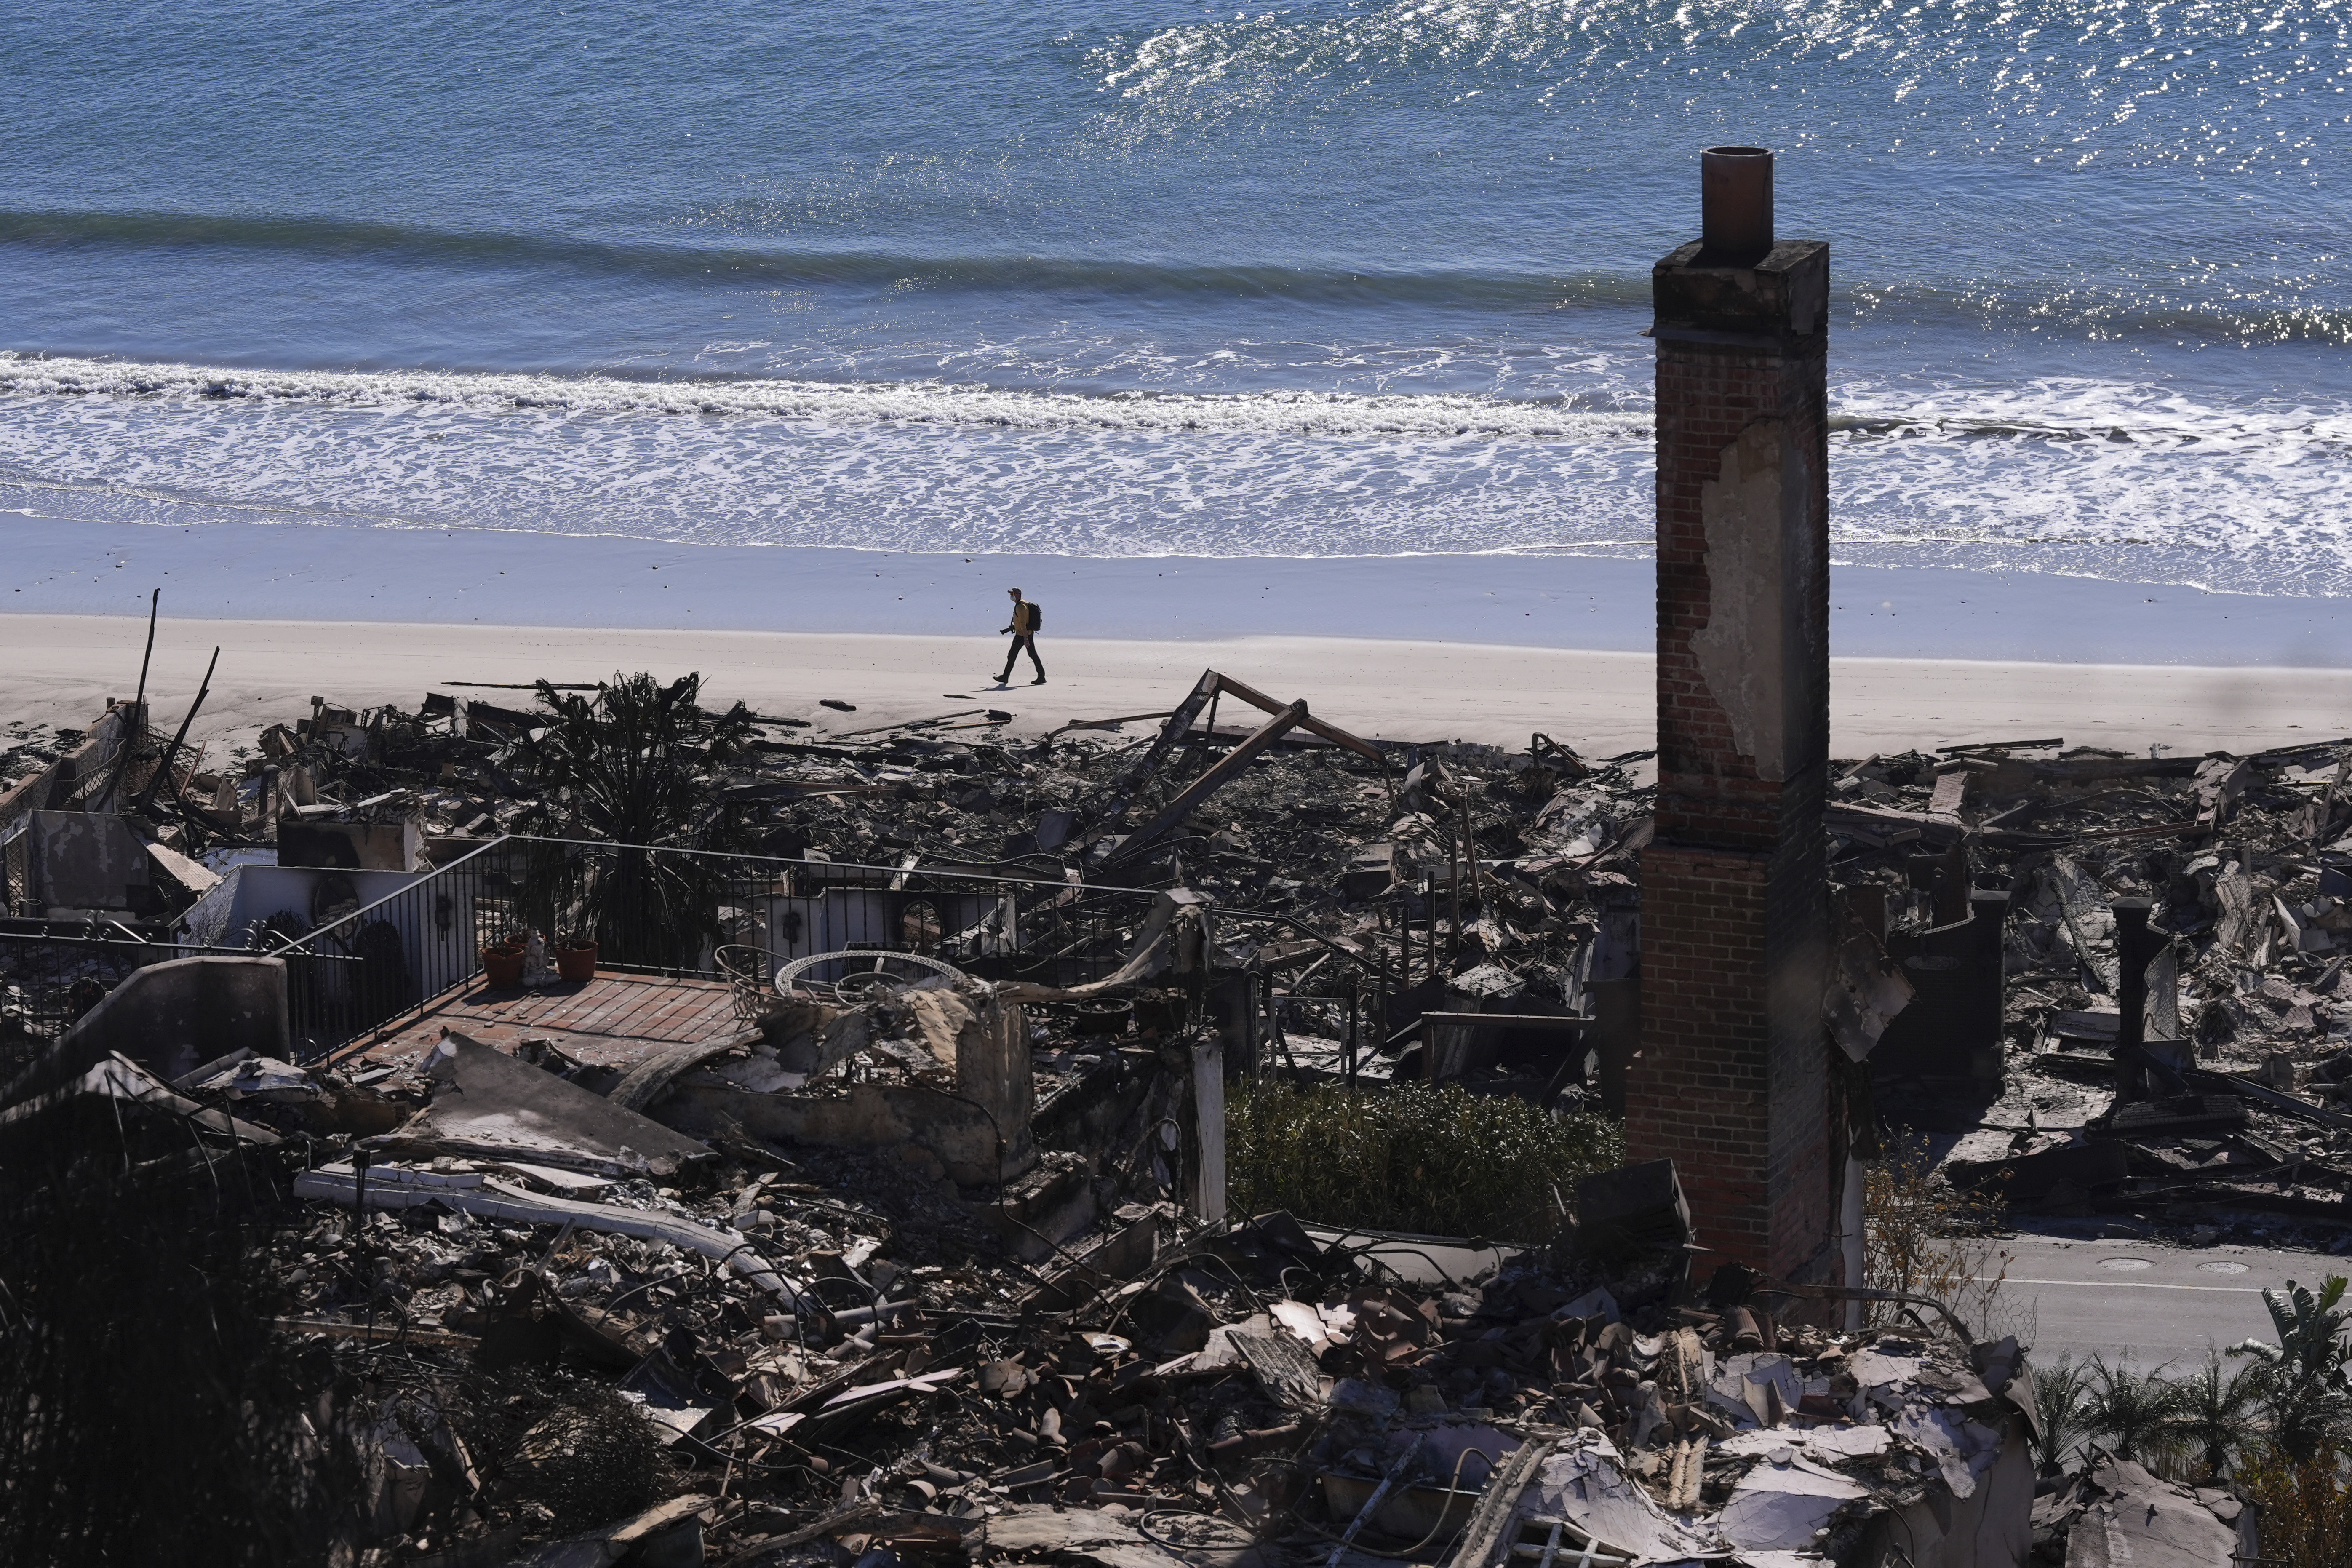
{"type": "Point", "coordinates": [737, 1356]}
{"type": "Point", "coordinates": [1382, 892]}
{"type": "Point", "coordinates": [2160, 945]}
{"type": "Point", "coordinates": [1367, 882]}
{"type": "Point", "coordinates": [912, 1258]}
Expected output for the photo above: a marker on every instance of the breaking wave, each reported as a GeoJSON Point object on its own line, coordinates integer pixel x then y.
{"type": "Point", "coordinates": [2135, 483]}
{"type": "Point", "coordinates": [1421, 417]}
{"type": "Point", "coordinates": [2047, 410]}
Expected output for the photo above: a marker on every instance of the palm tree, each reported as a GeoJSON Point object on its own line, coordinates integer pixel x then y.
{"type": "Point", "coordinates": [637, 763]}
{"type": "Point", "coordinates": [2135, 1412]}
{"type": "Point", "coordinates": [2304, 1379]}
{"type": "Point", "coordinates": [2214, 1409]}
{"type": "Point", "coordinates": [638, 766]}
{"type": "Point", "coordinates": [2058, 1391]}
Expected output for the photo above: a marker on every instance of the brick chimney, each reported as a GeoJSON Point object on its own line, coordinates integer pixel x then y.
{"type": "Point", "coordinates": [1732, 1081]}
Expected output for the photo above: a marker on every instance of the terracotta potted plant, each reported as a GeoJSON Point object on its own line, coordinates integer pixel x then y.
{"type": "Point", "coordinates": [575, 957]}
{"type": "Point", "coordinates": [502, 962]}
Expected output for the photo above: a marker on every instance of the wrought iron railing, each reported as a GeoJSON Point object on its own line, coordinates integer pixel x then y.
{"type": "Point", "coordinates": [671, 911]}
{"type": "Point", "coordinates": [48, 979]}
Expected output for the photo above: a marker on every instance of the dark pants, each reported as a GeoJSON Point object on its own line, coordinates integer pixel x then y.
{"type": "Point", "coordinates": [1021, 642]}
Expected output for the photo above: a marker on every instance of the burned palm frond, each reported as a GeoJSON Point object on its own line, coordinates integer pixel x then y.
{"type": "Point", "coordinates": [638, 763]}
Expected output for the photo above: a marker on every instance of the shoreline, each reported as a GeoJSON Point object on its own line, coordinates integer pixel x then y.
{"type": "Point", "coordinates": [61, 669]}
{"type": "Point", "coordinates": [297, 570]}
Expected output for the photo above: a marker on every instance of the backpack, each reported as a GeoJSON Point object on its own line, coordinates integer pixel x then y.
{"type": "Point", "coordinates": [1037, 615]}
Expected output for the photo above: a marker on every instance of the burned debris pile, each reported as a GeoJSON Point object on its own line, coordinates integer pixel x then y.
{"type": "Point", "coordinates": [541, 1327]}
{"type": "Point", "coordinates": [1370, 896]}
{"type": "Point", "coordinates": [659, 1133]}
{"type": "Point", "coordinates": [864, 1191]}
{"type": "Point", "coordinates": [2133, 968]}
{"type": "Point", "coordinates": [2121, 1513]}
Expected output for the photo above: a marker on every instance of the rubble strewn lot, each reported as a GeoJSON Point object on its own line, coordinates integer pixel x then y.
{"type": "Point", "coordinates": [2223, 877]}
{"type": "Point", "coordinates": [809, 1393]}
{"type": "Point", "coordinates": [922, 1249]}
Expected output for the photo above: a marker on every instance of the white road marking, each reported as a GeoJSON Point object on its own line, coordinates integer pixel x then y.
{"type": "Point", "coordinates": [2122, 1285]}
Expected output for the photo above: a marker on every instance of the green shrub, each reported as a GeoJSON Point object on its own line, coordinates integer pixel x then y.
{"type": "Point", "coordinates": [2306, 1503]}
{"type": "Point", "coordinates": [1439, 1161]}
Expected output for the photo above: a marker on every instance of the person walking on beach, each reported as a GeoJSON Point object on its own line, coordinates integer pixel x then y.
{"type": "Point", "coordinates": [1026, 619]}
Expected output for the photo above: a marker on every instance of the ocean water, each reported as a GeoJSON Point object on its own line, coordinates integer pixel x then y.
{"type": "Point", "coordinates": [1118, 279]}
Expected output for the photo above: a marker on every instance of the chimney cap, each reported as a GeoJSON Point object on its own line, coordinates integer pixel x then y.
{"type": "Point", "coordinates": [1735, 205]}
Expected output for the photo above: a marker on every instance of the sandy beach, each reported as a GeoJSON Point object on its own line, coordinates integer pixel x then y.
{"type": "Point", "coordinates": [270, 568]}
{"type": "Point", "coordinates": [60, 669]}
{"type": "Point", "coordinates": [1419, 649]}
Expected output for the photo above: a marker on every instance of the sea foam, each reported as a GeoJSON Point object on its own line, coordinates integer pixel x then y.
{"type": "Point", "coordinates": [2136, 483]}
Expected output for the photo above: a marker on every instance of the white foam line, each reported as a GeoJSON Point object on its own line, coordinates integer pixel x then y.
{"type": "Point", "coordinates": [2060, 411]}
{"type": "Point", "coordinates": [1419, 416]}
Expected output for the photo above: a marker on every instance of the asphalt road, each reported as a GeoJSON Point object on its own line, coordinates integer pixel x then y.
{"type": "Point", "coordinates": [2152, 1304]}
{"type": "Point", "coordinates": [2149, 1303]}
